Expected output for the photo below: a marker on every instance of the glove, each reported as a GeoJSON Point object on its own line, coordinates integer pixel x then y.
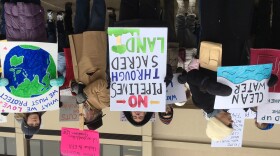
{"type": "Point", "coordinates": [4, 82]}
{"type": "Point", "coordinates": [182, 79]}
{"type": "Point", "coordinates": [272, 80]}
{"type": "Point", "coordinates": [57, 82]}
{"type": "Point", "coordinates": [215, 88]}
{"type": "Point", "coordinates": [169, 75]}
{"type": "Point", "coordinates": [204, 83]}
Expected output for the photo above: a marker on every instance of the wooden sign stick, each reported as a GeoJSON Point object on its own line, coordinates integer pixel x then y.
{"type": "Point", "coordinates": [81, 117]}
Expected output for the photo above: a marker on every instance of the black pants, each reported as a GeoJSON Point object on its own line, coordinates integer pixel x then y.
{"type": "Point", "coordinates": [227, 22]}
{"type": "Point", "coordinates": [139, 9]}
{"type": "Point", "coordinates": [267, 32]}
{"type": "Point", "coordinates": [86, 20]}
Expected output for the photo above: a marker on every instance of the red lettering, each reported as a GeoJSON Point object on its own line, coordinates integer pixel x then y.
{"type": "Point", "coordinates": [132, 101]}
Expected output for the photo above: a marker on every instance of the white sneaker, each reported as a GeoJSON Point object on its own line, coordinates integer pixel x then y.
{"type": "Point", "coordinates": [50, 15]}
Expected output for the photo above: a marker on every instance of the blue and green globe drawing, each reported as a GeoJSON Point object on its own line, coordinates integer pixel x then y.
{"type": "Point", "coordinates": [29, 70]}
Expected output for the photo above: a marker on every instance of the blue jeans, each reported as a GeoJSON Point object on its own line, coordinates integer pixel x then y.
{"type": "Point", "coordinates": [94, 21]}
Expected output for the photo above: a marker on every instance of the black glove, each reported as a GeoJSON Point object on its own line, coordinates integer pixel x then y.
{"type": "Point", "coordinates": [169, 75]}
{"type": "Point", "coordinates": [182, 79]}
{"type": "Point", "coordinates": [214, 87]}
{"type": "Point", "coordinates": [272, 80]}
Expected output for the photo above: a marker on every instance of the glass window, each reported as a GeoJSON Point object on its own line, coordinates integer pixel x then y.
{"type": "Point", "coordinates": [51, 148]}
{"type": "Point", "coordinates": [11, 146]}
{"type": "Point", "coordinates": [132, 150]}
{"type": "Point", "coordinates": [35, 148]}
{"type": "Point", "coordinates": [2, 145]}
{"type": "Point", "coordinates": [111, 150]}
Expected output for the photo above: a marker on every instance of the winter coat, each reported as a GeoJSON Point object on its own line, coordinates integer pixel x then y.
{"type": "Point", "coordinates": [89, 54]}
{"type": "Point", "coordinates": [25, 22]}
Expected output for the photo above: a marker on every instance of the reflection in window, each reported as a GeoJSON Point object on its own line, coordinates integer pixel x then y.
{"type": "Point", "coordinates": [44, 148]}
{"type": "Point", "coordinates": [8, 146]}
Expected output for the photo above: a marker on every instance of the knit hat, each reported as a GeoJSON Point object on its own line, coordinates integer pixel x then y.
{"type": "Point", "coordinates": [96, 123]}
{"type": "Point", "coordinates": [216, 130]}
{"type": "Point", "coordinates": [146, 119]}
{"type": "Point", "coordinates": [164, 119]}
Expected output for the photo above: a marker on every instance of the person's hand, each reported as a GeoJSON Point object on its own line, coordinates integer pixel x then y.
{"type": "Point", "coordinates": [4, 82]}
{"type": "Point", "coordinates": [272, 80]}
{"type": "Point", "coordinates": [58, 82]}
{"type": "Point", "coordinates": [215, 88]}
{"type": "Point", "coordinates": [169, 75]}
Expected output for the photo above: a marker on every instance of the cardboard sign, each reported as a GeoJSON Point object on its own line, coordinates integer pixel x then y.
{"type": "Point", "coordinates": [235, 139]}
{"type": "Point", "coordinates": [69, 112]}
{"type": "Point", "coordinates": [137, 69]}
{"type": "Point", "coordinates": [123, 118]}
{"type": "Point", "coordinates": [29, 67]}
{"type": "Point", "coordinates": [3, 119]}
{"type": "Point", "coordinates": [210, 56]}
{"type": "Point", "coordinates": [248, 83]}
{"type": "Point", "coordinates": [270, 113]}
{"type": "Point", "coordinates": [263, 56]}
{"type": "Point", "coordinates": [175, 92]}
{"type": "Point", "coordinates": [75, 142]}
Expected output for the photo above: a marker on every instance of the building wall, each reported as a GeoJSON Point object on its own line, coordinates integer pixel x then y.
{"type": "Point", "coordinates": [184, 136]}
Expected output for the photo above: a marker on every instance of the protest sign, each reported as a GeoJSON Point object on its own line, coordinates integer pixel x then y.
{"type": "Point", "coordinates": [235, 139]}
{"type": "Point", "coordinates": [248, 83]}
{"type": "Point", "coordinates": [137, 69]}
{"type": "Point", "coordinates": [264, 56]}
{"type": "Point", "coordinates": [270, 113]}
{"type": "Point", "coordinates": [3, 119]}
{"type": "Point", "coordinates": [75, 142]}
{"type": "Point", "coordinates": [175, 92]}
{"type": "Point", "coordinates": [250, 114]}
{"type": "Point", "coordinates": [69, 112]}
{"type": "Point", "coordinates": [29, 67]}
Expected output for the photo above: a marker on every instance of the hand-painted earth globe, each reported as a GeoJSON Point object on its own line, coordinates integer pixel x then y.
{"type": "Point", "coordinates": [29, 70]}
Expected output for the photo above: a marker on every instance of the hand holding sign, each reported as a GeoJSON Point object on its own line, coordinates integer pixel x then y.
{"type": "Point", "coordinates": [249, 84]}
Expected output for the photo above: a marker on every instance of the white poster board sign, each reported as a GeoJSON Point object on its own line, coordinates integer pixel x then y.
{"type": "Point", "coordinates": [270, 113]}
{"type": "Point", "coordinates": [248, 83]}
{"type": "Point", "coordinates": [137, 69]}
{"type": "Point", "coordinates": [235, 139]}
{"type": "Point", "coordinates": [29, 67]}
{"type": "Point", "coordinates": [3, 119]}
{"type": "Point", "coordinates": [250, 114]}
{"type": "Point", "coordinates": [175, 92]}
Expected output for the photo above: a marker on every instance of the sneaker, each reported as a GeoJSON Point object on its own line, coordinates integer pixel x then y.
{"type": "Point", "coordinates": [50, 15]}
{"type": "Point", "coordinates": [60, 16]}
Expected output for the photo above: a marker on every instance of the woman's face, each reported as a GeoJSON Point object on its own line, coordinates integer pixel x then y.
{"type": "Point", "coordinates": [33, 120]}
{"type": "Point", "coordinates": [138, 116]}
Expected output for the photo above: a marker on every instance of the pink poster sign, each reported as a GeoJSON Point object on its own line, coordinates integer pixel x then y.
{"type": "Point", "coordinates": [264, 56]}
{"type": "Point", "coordinates": [75, 142]}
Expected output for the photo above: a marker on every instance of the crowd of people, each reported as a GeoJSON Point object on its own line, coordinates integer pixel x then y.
{"type": "Point", "coordinates": [83, 55]}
